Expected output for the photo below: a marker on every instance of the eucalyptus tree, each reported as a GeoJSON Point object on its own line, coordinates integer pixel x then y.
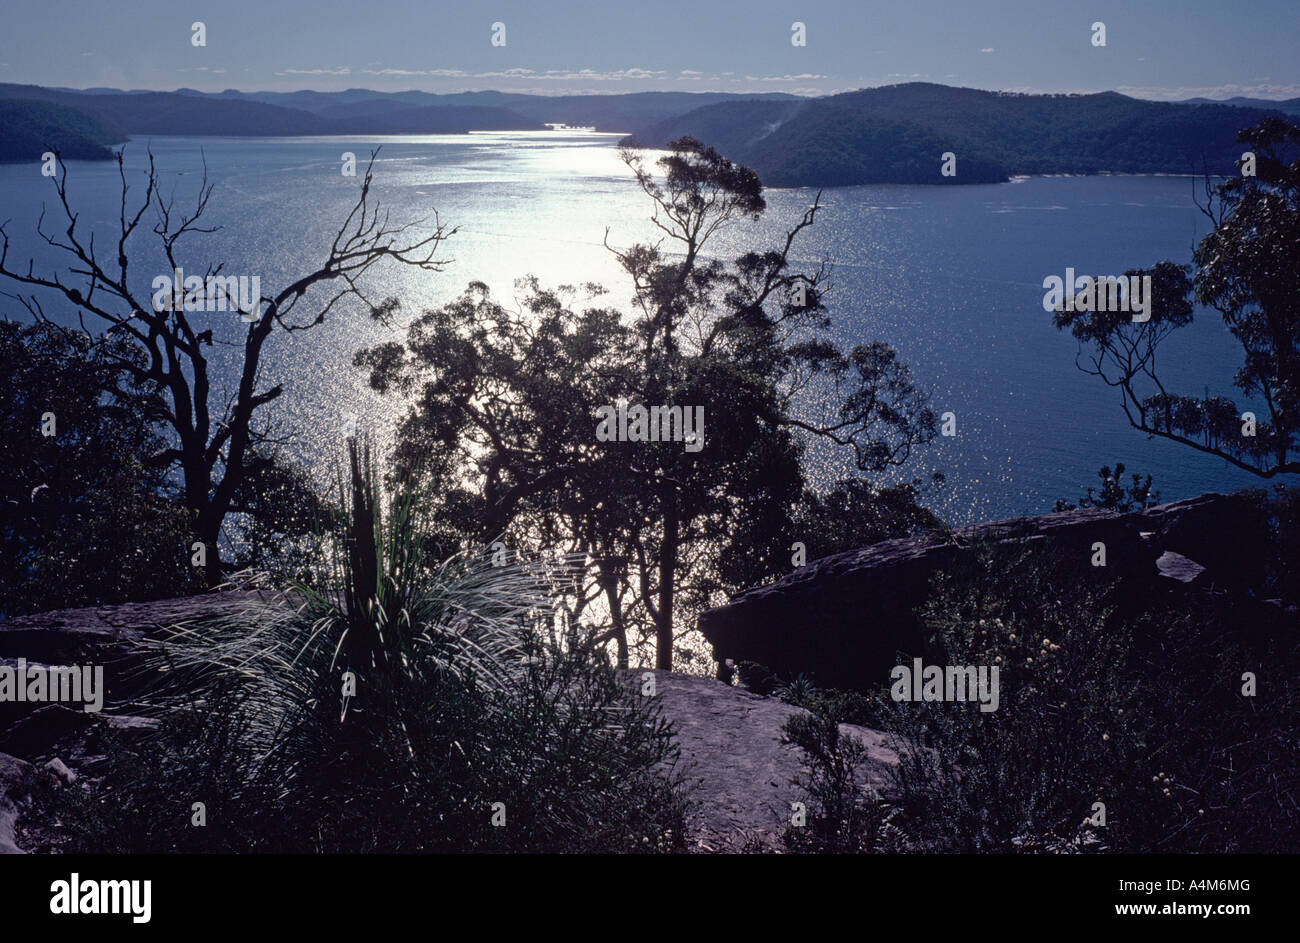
{"type": "Point", "coordinates": [1247, 268]}
{"type": "Point", "coordinates": [566, 424]}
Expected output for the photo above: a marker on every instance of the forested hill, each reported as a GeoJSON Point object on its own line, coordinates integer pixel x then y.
{"type": "Point", "coordinates": [898, 134]}
{"type": "Point", "coordinates": [355, 111]}
{"type": "Point", "coordinates": [28, 129]}
{"type": "Point", "coordinates": [894, 134]}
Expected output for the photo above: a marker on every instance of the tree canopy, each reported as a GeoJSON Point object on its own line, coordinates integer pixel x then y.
{"type": "Point", "coordinates": [505, 403]}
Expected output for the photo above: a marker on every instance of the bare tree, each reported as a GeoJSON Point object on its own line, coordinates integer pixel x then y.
{"type": "Point", "coordinates": [213, 452]}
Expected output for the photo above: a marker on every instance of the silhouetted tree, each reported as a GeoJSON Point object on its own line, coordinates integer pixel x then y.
{"type": "Point", "coordinates": [1248, 269]}
{"type": "Point", "coordinates": [214, 452]}
{"type": "Point", "coordinates": [504, 424]}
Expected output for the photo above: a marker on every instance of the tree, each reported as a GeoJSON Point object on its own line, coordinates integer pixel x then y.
{"type": "Point", "coordinates": [214, 453]}
{"type": "Point", "coordinates": [1248, 269]}
{"type": "Point", "coordinates": [1114, 495]}
{"type": "Point", "coordinates": [83, 519]}
{"type": "Point", "coordinates": [505, 420]}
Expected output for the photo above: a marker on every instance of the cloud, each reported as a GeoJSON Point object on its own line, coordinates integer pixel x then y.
{"type": "Point", "coordinates": [988, 49]}
{"type": "Point", "coordinates": [340, 71]}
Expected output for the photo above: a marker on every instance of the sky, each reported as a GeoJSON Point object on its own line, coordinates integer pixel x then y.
{"type": "Point", "coordinates": [1163, 50]}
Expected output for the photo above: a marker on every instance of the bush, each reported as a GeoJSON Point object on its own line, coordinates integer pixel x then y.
{"type": "Point", "coordinates": [84, 516]}
{"type": "Point", "coordinates": [842, 816]}
{"type": "Point", "coordinates": [1107, 695]}
{"type": "Point", "coordinates": [403, 709]}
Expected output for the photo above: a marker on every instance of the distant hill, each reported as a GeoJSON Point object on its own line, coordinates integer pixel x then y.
{"type": "Point", "coordinates": [1290, 106]}
{"type": "Point", "coordinates": [176, 113]}
{"type": "Point", "coordinates": [433, 120]}
{"type": "Point", "coordinates": [893, 134]}
{"type": "Point", "coordinates": [603, 112]}
{"type": "Point", "coordinates": [897, 134]}
{"type": "Point", "coordinates": [30, 128]}
{"type": "Point", "coordinates": [361, 111]}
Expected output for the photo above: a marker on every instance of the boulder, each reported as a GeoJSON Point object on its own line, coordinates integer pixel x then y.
{"type": "Point", "coordinates": [844, 618]}
{"type": "Point", "coordinates": [1177, 567]}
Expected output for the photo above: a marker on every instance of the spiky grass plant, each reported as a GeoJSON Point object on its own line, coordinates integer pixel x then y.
{"type": "Point", "coordinates": [409, 706]}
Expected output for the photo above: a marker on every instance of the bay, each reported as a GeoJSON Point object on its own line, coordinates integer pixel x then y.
{"type": "Point", "coordinates": [951, 276]}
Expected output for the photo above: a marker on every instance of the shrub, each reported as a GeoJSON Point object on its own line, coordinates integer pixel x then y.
{"type": "Point", "coordinates": [1107, 695]}
{"type": "Point", "coordinates": [471, 703]}
{"type": "Point", "coordinates": [842, 816]}
{"type": "Point", "coordinates": [84, 515]}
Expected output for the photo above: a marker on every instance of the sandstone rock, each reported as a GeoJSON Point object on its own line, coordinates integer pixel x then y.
{"type": "Point", "coordinates": [12, 771]}
{"type": "Point", "coordinates": [739, 774]}
{"type": "Point", "coordinates": [111, 636]}
{"type": "Point", "coordinates": [59, 770]}
{"type": "Point", "coordinates": [43, 729]}
{"type": "Point", "coordinates": [844, 618]}
{"type": "Point", "coordinates": [1175, 566]}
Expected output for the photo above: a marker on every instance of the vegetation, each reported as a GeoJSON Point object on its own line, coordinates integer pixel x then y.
{"type": "Point", "coordinates": [87, 513]}
{"type": "Point", "coordinates": [1245, 269]}
{"type": "Point", "coordinates": [1107, 696]}
{"type": "Point", "coordinates": [217, 454]}
{"type": "Point", "coordinates": [84, 519]}
{"type": "Point", "coordinates": [506, 401]}
{"type": "Point", "coordinates": [403, 706]}
{"type": "Point", "coordinates": [1114, 495]}
{"type": "Point", "coordinates": [898, 134]}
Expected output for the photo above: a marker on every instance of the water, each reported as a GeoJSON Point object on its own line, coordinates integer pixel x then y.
{"type": "Point", "coordinates": [952, 277]}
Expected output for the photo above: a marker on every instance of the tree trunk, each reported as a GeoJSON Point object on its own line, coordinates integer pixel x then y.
{"type": "Point", "coordinates": [616, 616]}
{"type": "Point", "coordinates": [667, 561]}
{"type": "Point", "coordinates": [208, 532]}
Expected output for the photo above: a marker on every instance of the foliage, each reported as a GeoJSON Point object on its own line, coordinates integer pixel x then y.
{"type": "Point", "coordinates": [1248, 269]}
{"type": "Point", "coordinates": [467, 694]}
{"type": "Point", "coordinates": [85, 519]}
{"type": "Point", "coordinates": [504, 420]}
{"type": "Point", "coordinates": [1114, 495]}
{"type": "Point", "coordinates": [843, 816]}
{"type": "Point", "coordinates": [213, 451]}
{"type": "Point", "coordinates": [1107, 695]}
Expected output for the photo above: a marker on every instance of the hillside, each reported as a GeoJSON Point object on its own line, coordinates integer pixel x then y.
{"type": "Point", "coordinates": [897, 134]}
{"type": "Point", "coordinates": [893, 134]}
{"type": "Point", "coordinates": [28, 129]}
{"type": "Point", "coordinates": [361, 111]}
{"type": "Point", "coordinates": [176, 113]}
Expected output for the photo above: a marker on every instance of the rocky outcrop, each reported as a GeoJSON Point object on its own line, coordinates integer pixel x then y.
{"type": "Point", "coordinates": [739, 777]}
{"type": "Point", "coordinates": [843, 619]}
{"type": "Point", "coordinates": [107, 636]}
{"type": "Point", "coordinates": [62, 739]}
